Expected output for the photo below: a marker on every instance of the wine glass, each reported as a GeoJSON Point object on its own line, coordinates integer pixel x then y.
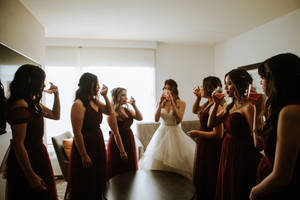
{"type": "Point", "coordinates": [197, 91]}
{"type": "Point", "coordinates": [165, 93]}
{"type": "Point", "coordinates": [219, 93]}
{"type": "Point", "coordinates": [253, 96]}
{"type": "Point", "coordinates": [50, 90]}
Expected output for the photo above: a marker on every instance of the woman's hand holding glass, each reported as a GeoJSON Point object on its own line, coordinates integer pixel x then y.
{"type": "Point", "coordinates": [197, 91]}
{"type": "Point", "coordinates": [104, 90]}
{"type": "Point", "coordinates": [53, 89]}
{"type": "Point", "coordinates": [131, 101]}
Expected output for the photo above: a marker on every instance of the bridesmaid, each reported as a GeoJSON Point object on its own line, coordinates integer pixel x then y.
{"type": "Point", "coordinates": [87, 178]}
{"type": "Point", "coordinates": [278, 172]}
{"type": "Point", "coordinates": [239, 158]}
{"type": "Point", "coordinates": [29, 171]}
{"type": "Point", "coordinates": [208, 141]}
{"type": "Point", "coordinates": [125, 117]}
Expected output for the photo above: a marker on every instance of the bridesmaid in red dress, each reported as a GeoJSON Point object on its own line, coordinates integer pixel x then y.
{"type": "Point", "coordinates": [239, 158]}
{"type": "Point", "coordinates": [29, 171]}
{"type": "Point", "coordinates": [278, 173]}
{"type": "Point", "coordinates": [208, 142]}
{"type": "Point", "coordinates": [125, 117]}
{"type": "Point", "coordinates": [87, 178]}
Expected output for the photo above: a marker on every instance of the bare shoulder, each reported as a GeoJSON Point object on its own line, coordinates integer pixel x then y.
{"type": "Point", "coordinates": [180, 102]}
{"type": "Point", "coordinates": [248, 108]}
{"type": "Point", "coordinates": [290, 113]}
{"type": "Point", "coordinates": [78, 105]}
{"type": "Point", "coordinates": [20, 103]}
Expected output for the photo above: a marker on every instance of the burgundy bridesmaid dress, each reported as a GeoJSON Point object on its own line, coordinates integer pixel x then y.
{"type": "Point", "coordinates": [115, 165]}
{"type": "Point", "coordinates": [238, 161]}
{"type": "Point", "coordinates": [17, 185]}
{"type": "Point", "coordinates": [89, 183]}
{"type": "Point", "coordinates": [206, 161]}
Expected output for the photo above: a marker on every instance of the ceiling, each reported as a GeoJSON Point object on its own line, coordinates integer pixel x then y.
{"type": "Point", "coordinates": [171, 21]}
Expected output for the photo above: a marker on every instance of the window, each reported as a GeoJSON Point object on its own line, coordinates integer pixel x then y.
{"type": "Point", "coordinates": [139, 82]}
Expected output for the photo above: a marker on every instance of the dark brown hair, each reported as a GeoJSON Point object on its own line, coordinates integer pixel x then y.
{"type": "Point", "coordinates": [209, 84]}
{"type": "Point", "coordinates": [87, 88]}
{"type": "Point", "coordinates": [27, 84]}
{"type": "Point", "coordinates": [241, 80]}
{"type": "Point", "coordinates": [282, 75]}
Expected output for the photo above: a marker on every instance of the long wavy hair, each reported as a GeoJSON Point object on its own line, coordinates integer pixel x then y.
{"type": "Point", "coordinates": [116, 96]}
{"type": "Point", "coordinates": [209, 84]}
{"type": "Point", "coordinates": [240, 79]}
{"type": "Point", "coordinates": [282, 75]}
{"type": "Point", "coordinates": [87, 89]}
{"type": "Point", "coordinates": [27, 84]}
{"type": "Point", "coordinates": [173, 88]}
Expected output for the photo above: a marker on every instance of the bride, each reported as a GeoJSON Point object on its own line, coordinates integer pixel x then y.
{"type": "Point", "coordinates": [170, 149]}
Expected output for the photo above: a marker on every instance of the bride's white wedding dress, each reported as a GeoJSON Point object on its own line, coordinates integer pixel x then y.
{"type": "Point", "coordinates": [170, 149]}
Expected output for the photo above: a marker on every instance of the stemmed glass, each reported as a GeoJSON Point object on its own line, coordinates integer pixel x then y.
{"type": "Point", "coordinates": [219, 93]}
{"type": "Point", "coordinates": [197, 91]}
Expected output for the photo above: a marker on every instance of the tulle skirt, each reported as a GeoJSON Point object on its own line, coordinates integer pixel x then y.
{"type": "Point", "coordinates": [170, 149]}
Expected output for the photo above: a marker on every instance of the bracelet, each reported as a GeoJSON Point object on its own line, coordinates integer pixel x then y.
{"type": "Point", "coordinates": [122, 153]}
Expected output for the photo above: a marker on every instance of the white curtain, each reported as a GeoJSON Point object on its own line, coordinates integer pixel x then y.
{"type": "Point", "coordinates": [131, 68]}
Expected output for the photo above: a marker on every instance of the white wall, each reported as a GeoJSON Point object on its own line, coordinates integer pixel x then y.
{"type": "Point", "coordinates": [278, 36]}
{"type": "Point", "coordinates": [187, 65]}
{"type": "Point", "coordinates": [21, 31]}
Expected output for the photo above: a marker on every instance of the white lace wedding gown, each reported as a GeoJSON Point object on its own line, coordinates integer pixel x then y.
{"type": "Point", "coordinates": [170, 149]}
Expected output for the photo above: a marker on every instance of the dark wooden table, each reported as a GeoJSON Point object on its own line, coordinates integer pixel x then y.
{"type": "Point", "coordinates": [149, 185]}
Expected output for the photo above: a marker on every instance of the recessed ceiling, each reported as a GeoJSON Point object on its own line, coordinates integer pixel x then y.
{"type": "Point", "coordinates": [171, 21]}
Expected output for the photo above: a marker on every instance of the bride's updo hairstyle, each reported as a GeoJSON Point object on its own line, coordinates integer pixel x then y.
{"type": "Point", "coordinates": [173, 88]}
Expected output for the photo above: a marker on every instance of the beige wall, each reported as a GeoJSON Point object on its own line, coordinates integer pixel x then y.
{"type": "Point", "coordinates": [187, 65]}
{"type": "Point", "coordinates": [21, 31]}
{"type": "Point", "coordinates": [278, 36]}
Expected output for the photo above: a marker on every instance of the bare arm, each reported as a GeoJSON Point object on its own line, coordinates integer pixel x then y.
{"type": "Point", "coordinates": [18, 137]}
{"type": "Point", "coordinates": [178, 110]}
{"type": "Point", "coordinates": [196, 106]}
{"type": "Point", "coordinates": [286, 154]}
{"type": "Point", "coordinates": [257, 127]}
{"type": "Point", "coordinates": [158, 109]}
{"type": "Point", "coordinates": [77, 116]}
{"type": "Point", "coordinates": [215, 118]}
{"type": "Point", "coordinates": [55, 112]}
{"type": "Point", "coordinates": [216, 133]}
{"type": "Point", "coordinates": [112, 122]}
{"type": "Point", "coordinates": [136, 114]}
{"type": "Point", "coordinates": [105, 108]}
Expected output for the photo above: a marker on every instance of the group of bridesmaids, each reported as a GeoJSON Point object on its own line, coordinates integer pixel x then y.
{"type": "Point", "coordinates": [27, 166]}
{"type": "Point", "coordinates": [230, 166]}
{"type": "Point", "coordinates": [228, 162]}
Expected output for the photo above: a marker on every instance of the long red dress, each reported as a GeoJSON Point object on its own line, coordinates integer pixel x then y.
{"type": "Point", "coordinates": [115, 165]}
{"type": "Point", "coordinates": [89, 183]}
{"type": "Point", "coordinates": [206, 161]}
{"type": "Point", "coordinates": [265, 167]}
{"type": "Point", "coordinates": [17, 185]}
{"type": "Point", "coordinates": [238, 161]}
